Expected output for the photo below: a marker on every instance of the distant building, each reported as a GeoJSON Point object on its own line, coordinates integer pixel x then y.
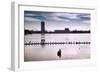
{"type": "Point", "coordinates": [59, 31]}
{"type": "Point", "coordinates": [67, 29]}
{"type": "Point", "coordinates": [63, 31]}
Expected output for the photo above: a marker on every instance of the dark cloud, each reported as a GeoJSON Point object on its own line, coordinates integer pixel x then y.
{"type": "Point", "coordinates": [57, 16]}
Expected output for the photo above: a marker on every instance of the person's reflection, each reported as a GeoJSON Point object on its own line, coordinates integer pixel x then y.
{"type": "Point", "coordinates": [59, 53]}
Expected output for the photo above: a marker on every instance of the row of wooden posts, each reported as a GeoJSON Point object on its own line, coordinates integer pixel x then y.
{"type": "Point", "coordinates": [54, 43]}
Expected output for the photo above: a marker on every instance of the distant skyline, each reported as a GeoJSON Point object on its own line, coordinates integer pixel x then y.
{"type": "Point", "coordinates": [56, 20]}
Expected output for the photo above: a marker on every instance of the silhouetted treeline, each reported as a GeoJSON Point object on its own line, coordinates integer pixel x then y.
{"type": "Point", "coordinates": [56, 31]}
{"type": "Point", "coordinates": [31, 32]}
{"type": "Point", "coordinates": [73, 31]}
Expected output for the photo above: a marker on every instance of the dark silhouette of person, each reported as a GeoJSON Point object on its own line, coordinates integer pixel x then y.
{"type": "Point", "coordinates": [59, 53]}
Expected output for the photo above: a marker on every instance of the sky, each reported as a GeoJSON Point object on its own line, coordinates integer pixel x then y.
{"type": "Point", "coordinates": [56, 20]}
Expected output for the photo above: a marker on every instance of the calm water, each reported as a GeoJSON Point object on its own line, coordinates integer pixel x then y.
{"type": "Point", "coordinates": [49, 52]}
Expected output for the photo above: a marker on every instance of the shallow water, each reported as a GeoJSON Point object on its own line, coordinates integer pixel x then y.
{"type": "Point", "coordinates": [49, 52]}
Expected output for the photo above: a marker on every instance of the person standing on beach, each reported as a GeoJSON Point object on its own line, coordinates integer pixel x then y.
{"type": "Point", "coordinates": [59, 53]}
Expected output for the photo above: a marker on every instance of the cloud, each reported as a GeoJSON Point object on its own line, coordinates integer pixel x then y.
{"type": "Point", "coordinates": [66, 15]}
{"type": "Point", "coordinates": [56, 16]}
{"type": "Point", "coordinates": [30, 19]}
{"type": "Point", "coordinates": [84, 16]}
{"type": "Point", "coordinates": [29, 15]}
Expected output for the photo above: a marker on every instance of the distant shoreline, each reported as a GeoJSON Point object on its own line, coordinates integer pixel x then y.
{"type": "Point", "coordinates": [26, 32]}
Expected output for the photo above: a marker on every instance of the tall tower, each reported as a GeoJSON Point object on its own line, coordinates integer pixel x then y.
{"type": "Point", "coordinates": [42, 26]}
{"type": "Point", "coordinates": [43, 33]}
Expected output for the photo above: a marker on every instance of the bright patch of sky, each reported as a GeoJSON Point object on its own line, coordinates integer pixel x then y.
{"type": "Point", "coordinates": [56, 20]}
